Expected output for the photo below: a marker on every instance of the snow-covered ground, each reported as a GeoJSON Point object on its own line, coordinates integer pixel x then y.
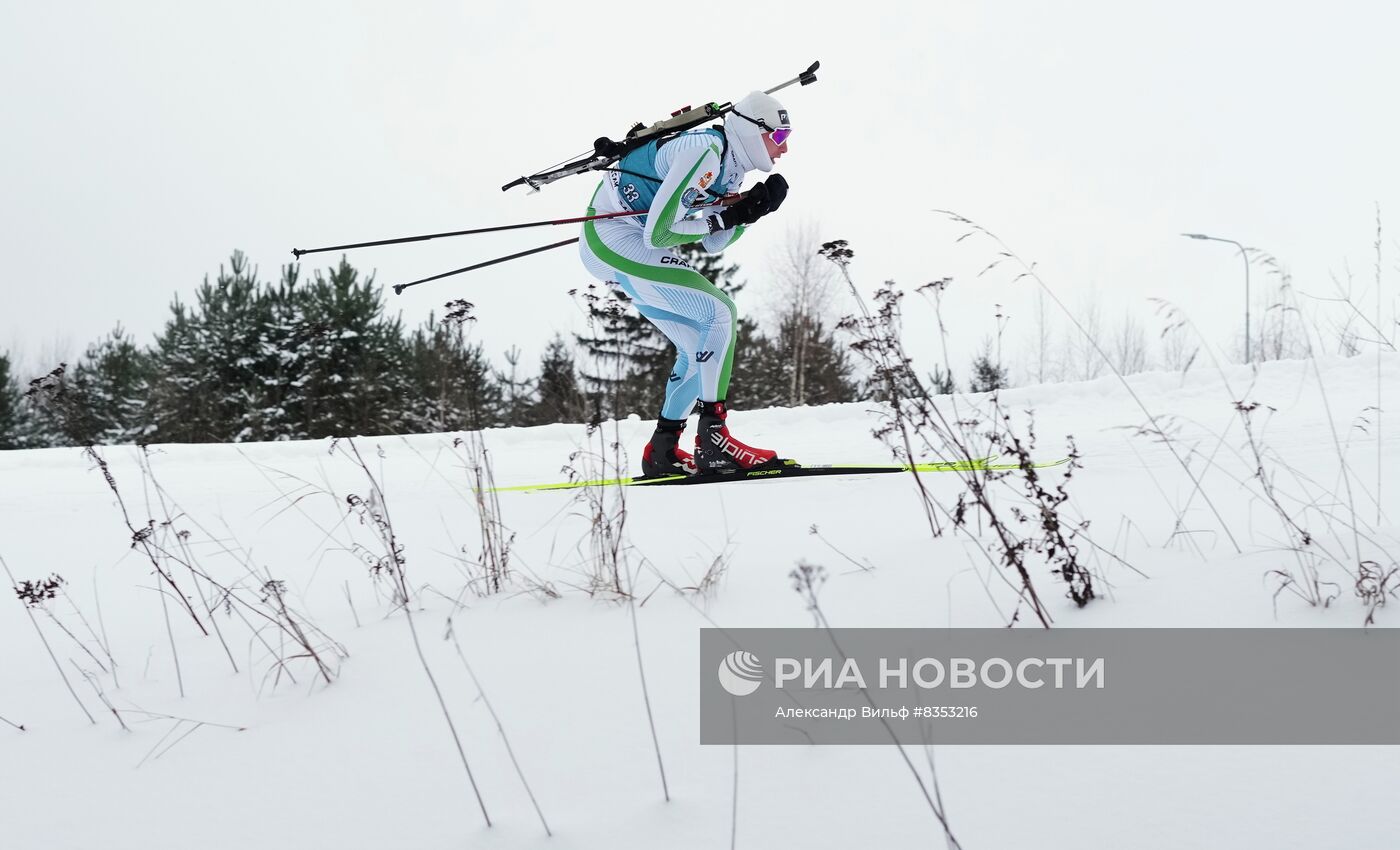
{"type": "Point", "coordinates": [369, 762]}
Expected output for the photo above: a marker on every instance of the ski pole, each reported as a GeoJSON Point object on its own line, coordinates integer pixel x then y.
{"type": "Point", "coordinates": [298, 252]}
{"type": "Point", "coordinates": [399, 288]}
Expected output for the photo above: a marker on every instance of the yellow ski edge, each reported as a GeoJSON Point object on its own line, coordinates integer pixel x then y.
{"type": "Point", "coordinates": [980, 464]}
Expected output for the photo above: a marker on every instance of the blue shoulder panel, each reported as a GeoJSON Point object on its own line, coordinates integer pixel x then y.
{"type": "Point", "coordinates": [643, 169]}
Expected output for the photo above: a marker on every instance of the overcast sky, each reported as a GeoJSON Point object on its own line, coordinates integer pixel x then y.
{"type": "Point", "coordinates": [144, 141]}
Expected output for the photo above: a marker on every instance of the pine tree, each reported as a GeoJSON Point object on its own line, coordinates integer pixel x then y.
{"type": "Point", "coordinates": [830, 375]}
{"type": "Point", "coordinates": [987, 374]}
{"type": "Point", "coordinates": [482, 402]}
{"type": "Point", "coordinates": [941, 381]}
{"type": "Point", "coordinates": [517, 393]}
{"type": "Point", "coordinates": [206, 361]}
{"type": "Point", "coordinates": [101, 400]}
{"type": "Point", "coordinates": [821, 374]}
{"type": "Point", "coordinates": [176, 405]}
{"type": "Point", "coordinates": [11, 408]}
{"type": "Point", "coordinates": [558, 397]}
{"type": "Point", "coordinates": [269, 410]}
{"type": "Point", "coordinates": [350, 359]}
{"type": "Point", "coordinates": [298, 360]}
{"type": "Point", "coordinates": [112, 383]}
{"type": "Point", "coordinates": [452, 386]}
{"type": "Point", "coordinates": [757, 381]}
{"type": "Point", "coordinates": [41, 410]}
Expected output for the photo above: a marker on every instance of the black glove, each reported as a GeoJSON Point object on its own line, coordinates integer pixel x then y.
{"type": "Point", "coordinates": [777, 186]}
{"type": "Point", "coordinates": [759, 201]}
{"type": "Point", "coordinates": [747, 209]}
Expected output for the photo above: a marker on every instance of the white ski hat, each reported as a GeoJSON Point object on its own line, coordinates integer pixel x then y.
{"type": "Point", "coordinates": [755, 115]}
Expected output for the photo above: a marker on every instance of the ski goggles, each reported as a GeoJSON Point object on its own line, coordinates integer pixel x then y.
{"type": "Point", "coordinates": [780, 135]}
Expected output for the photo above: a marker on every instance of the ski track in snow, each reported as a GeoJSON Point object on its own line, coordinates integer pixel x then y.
{"type": "Point", "coordinates": [369, 763]}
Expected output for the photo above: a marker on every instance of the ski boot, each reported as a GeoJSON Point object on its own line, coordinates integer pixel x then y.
{"type": "Point", "coordinates": [716, 450]}
{"type": "Point", "coordinates": [663, 455]}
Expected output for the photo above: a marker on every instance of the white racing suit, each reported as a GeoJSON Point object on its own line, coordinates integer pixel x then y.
{"type": "Point", "coordinates": [638, 253]}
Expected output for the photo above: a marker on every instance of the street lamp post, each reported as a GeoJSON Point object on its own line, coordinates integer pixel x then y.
{"type": "Point", "coordinates": [1248, 351]}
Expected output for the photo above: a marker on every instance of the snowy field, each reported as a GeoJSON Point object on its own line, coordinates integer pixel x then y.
{"type": "Point", "coordinates": [229, 748]}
